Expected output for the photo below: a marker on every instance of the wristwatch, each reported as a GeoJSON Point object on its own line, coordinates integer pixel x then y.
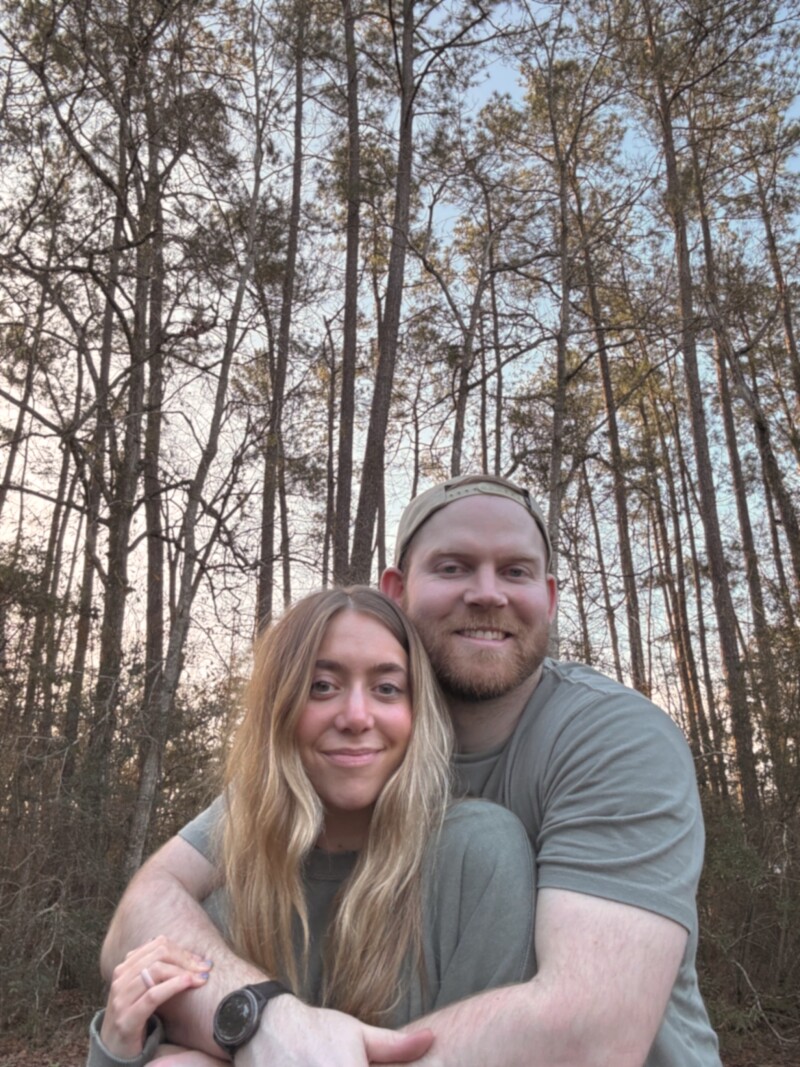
{"type": "Point", "coordinates": [238, 1015]}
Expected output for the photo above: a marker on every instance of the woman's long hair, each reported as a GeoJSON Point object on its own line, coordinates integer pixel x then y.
{"type": "Point", "coordinates": [275, 818]}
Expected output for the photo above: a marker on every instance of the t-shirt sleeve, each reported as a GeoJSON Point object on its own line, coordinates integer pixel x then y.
{"type": "Point", "coordinates": [99, 1056]}
{"type": "Point", "coordinates": [620, 810]}
{"type": "Point", "coordinates": [203, 832]}
{"type": "Point", "coordinates": [480, 903]}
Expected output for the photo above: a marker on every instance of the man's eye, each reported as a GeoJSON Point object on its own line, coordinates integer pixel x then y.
{"type": "Point", "coordinates": [517, 572]}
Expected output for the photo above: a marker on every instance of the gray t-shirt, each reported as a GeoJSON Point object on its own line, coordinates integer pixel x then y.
{"type": "Point", "coordinates": [478, 905]}
{"type": "Point", "coordinates": [478, 900]}
{"type": "Point", "coordinates": [604, 783]}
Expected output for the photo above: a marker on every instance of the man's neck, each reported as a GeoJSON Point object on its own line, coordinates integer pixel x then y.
{"type": "Point", "coordinates": [481, 725]}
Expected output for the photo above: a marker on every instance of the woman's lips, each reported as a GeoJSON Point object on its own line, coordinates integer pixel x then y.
{"type": "Point", "coordinates": [352, 757]}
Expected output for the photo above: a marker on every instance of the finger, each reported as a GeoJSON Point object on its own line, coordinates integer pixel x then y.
{"type": "Point", "coordinates": [131, 995]}
{"type": "Point", "coordinates": [135, 976]}
{"type": "Point", "coordinates": [162, 948]}
{"type": "Point", "coordinates": [386, 1046]}
{"type": "Point", "coordinates": [125, 1021]}
{"type": "Point", "coordinates": [158, 971]}
{"type": "Point", "coordinates": [164, 991]}
{"type": "Point", "coordinates": [127, 1013]}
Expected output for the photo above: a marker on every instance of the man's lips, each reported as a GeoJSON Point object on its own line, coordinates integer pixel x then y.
{"type": "Point", "coordinates": [483, 634]}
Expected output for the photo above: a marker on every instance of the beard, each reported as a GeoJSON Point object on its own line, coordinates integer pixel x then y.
{"type": "Point", "coordinates": [475, 675]}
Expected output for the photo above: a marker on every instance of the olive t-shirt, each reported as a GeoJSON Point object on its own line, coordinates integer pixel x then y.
{"type": "Point", "coordinates": [604, 783]}
{"type": "Point", "coordinates": [478, 905]}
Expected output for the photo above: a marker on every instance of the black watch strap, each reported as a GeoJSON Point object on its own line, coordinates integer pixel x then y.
{"type": "Point", "coordinates": [238, 1015]}
{"type": "Point", "coordinates": [265, 991]}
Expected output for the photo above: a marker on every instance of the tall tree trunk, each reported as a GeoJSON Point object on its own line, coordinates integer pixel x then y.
{"type": "Point", "coordinates": [733, 669]}
{"type": "Point", "coordinates": [330, 472]}
{"type": "Point", "coordinates": [608, 607]}
{"type": "Point", "coordinates": [273, 450]}
{"type": "Point", "coordinates": [497, 463]}
{"type": "Point", "coordinates": [765, 692]}
{"type": "Point", "coordinates": [372, 470]}
{"type": "Point", "coordinates": [629, 577]}
{"type": "Point", "coordinates": [195, 558]}
{"type": "Point", "coordinates": [789, 338]}
{"type": "Point", "coordinates": [347, 409]}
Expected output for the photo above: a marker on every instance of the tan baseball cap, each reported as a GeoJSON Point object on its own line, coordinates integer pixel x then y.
{"type": "Point", "coordinates": [425, 504]}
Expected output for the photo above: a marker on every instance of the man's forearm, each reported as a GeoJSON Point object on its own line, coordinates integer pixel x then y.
{"type": "Point", "coordinates": [522, 1026]}
{"type": "Point", "coordinates": [511, 1026]}
{"type": "Point", "coordinates": [158, 902]}
{"type": "Point", "coordinates": [605, 975]}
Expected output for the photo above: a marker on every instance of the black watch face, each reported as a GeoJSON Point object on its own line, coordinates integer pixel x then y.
{"type": "Point", "coordinates": [236, 1018]}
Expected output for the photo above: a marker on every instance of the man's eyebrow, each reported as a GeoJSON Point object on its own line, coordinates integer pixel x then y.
{"type": "Point", "coordinates": [533, 556]}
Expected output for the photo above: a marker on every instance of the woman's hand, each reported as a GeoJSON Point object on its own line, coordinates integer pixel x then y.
{"type": "Point", "coordinates": [148, 977]}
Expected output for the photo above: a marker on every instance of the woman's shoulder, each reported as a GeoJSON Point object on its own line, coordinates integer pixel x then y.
{"type": "Point", "coordinates": [473, 824]}
{"type": "Point", "coordinates": [483, 852]}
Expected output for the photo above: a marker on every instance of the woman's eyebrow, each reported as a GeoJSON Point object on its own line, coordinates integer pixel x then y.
{"type": "Point", "coordinates": [372, 668]}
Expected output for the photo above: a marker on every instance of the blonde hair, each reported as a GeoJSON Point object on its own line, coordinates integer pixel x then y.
{"type": "Point", "coordinates": [275, 818]}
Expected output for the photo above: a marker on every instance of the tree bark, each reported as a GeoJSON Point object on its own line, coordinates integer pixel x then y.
{"type": "Point", "coordinates": [347, 409]}
{"type": "Point", "coordinates": [372, 470]}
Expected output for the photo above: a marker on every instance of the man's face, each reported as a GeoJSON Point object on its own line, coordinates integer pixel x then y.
{"type": "Point", "coordinates": [476, 587]}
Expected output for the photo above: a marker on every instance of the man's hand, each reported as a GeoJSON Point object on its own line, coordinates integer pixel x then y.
{"type": "Point", "coordinates": [294, 1035]}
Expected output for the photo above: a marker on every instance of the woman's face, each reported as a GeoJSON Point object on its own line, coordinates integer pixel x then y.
{"type": "Point", "coordinates": [355, 729]}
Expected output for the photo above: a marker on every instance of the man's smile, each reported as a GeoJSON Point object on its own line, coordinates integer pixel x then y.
{"type": "Point", "coordinates": [475, 634]}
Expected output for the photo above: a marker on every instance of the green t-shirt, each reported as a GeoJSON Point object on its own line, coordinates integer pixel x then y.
{"type": "Point", "coordinates": [478, 901]}
{"type": "Point", "coordinates": [478, 905]}
{"type": "Point", "coordinates": [603, 782]}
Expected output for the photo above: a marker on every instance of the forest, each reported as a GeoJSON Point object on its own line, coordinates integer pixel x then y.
{"type": "Point", "coordinates": [270, 267]}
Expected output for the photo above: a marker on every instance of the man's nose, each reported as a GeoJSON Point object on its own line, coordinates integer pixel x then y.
{"type": "Point", "coordinates": [354, 715]}
{"type": "Point", "coordinates": [485, 589]}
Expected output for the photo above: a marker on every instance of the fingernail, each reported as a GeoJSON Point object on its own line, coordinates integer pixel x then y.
{"type": "Point", "coordinates": [205, 976]}
{"type": "Point", "coordinates": [208, 964]}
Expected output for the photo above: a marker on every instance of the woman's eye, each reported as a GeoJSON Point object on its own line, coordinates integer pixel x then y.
{"type": "Point", "coordinates": [320, 687]}
{"type": "Point", "coordinates": [388, 689]}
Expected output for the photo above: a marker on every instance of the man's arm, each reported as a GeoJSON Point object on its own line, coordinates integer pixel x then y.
{"type": "Point", "coordinates": [605, 975]}
{"type": "Point", "coordinates": [163, 898]}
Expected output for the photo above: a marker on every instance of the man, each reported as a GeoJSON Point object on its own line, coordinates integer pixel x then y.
{"type": "Point", "coordinates": [603, 782]}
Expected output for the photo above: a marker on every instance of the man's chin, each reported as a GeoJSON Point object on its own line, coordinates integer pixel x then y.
{"type": "Point", "coordinates": [478, 686]}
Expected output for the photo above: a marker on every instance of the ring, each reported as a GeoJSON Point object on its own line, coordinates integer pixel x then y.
{"type": "Point", "coordinates": [147, 978]}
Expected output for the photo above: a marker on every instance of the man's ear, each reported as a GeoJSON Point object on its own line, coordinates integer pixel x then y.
{"type": "Point", "coordinates": [392, 584]}
{"type": "Point", "coordinates": [552, 596]}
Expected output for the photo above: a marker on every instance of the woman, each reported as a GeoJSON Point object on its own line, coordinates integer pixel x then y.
{"type": "Point", "coordinates": [348, 873]}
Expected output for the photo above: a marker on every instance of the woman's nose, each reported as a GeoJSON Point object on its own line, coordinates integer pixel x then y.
{"type": "Point", "coordinates": [354, 716]}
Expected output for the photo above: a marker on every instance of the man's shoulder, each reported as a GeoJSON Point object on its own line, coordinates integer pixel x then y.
{"type": "Point", "coordinates": [575, 705]}
{"type": "Point", "coordinates": [579, 678]}
{"type": "Point", "coordinates": [567, 687]}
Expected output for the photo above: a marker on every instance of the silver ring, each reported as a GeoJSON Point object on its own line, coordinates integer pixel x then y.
{"type": "Point", "coordinates": [147, 978]}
